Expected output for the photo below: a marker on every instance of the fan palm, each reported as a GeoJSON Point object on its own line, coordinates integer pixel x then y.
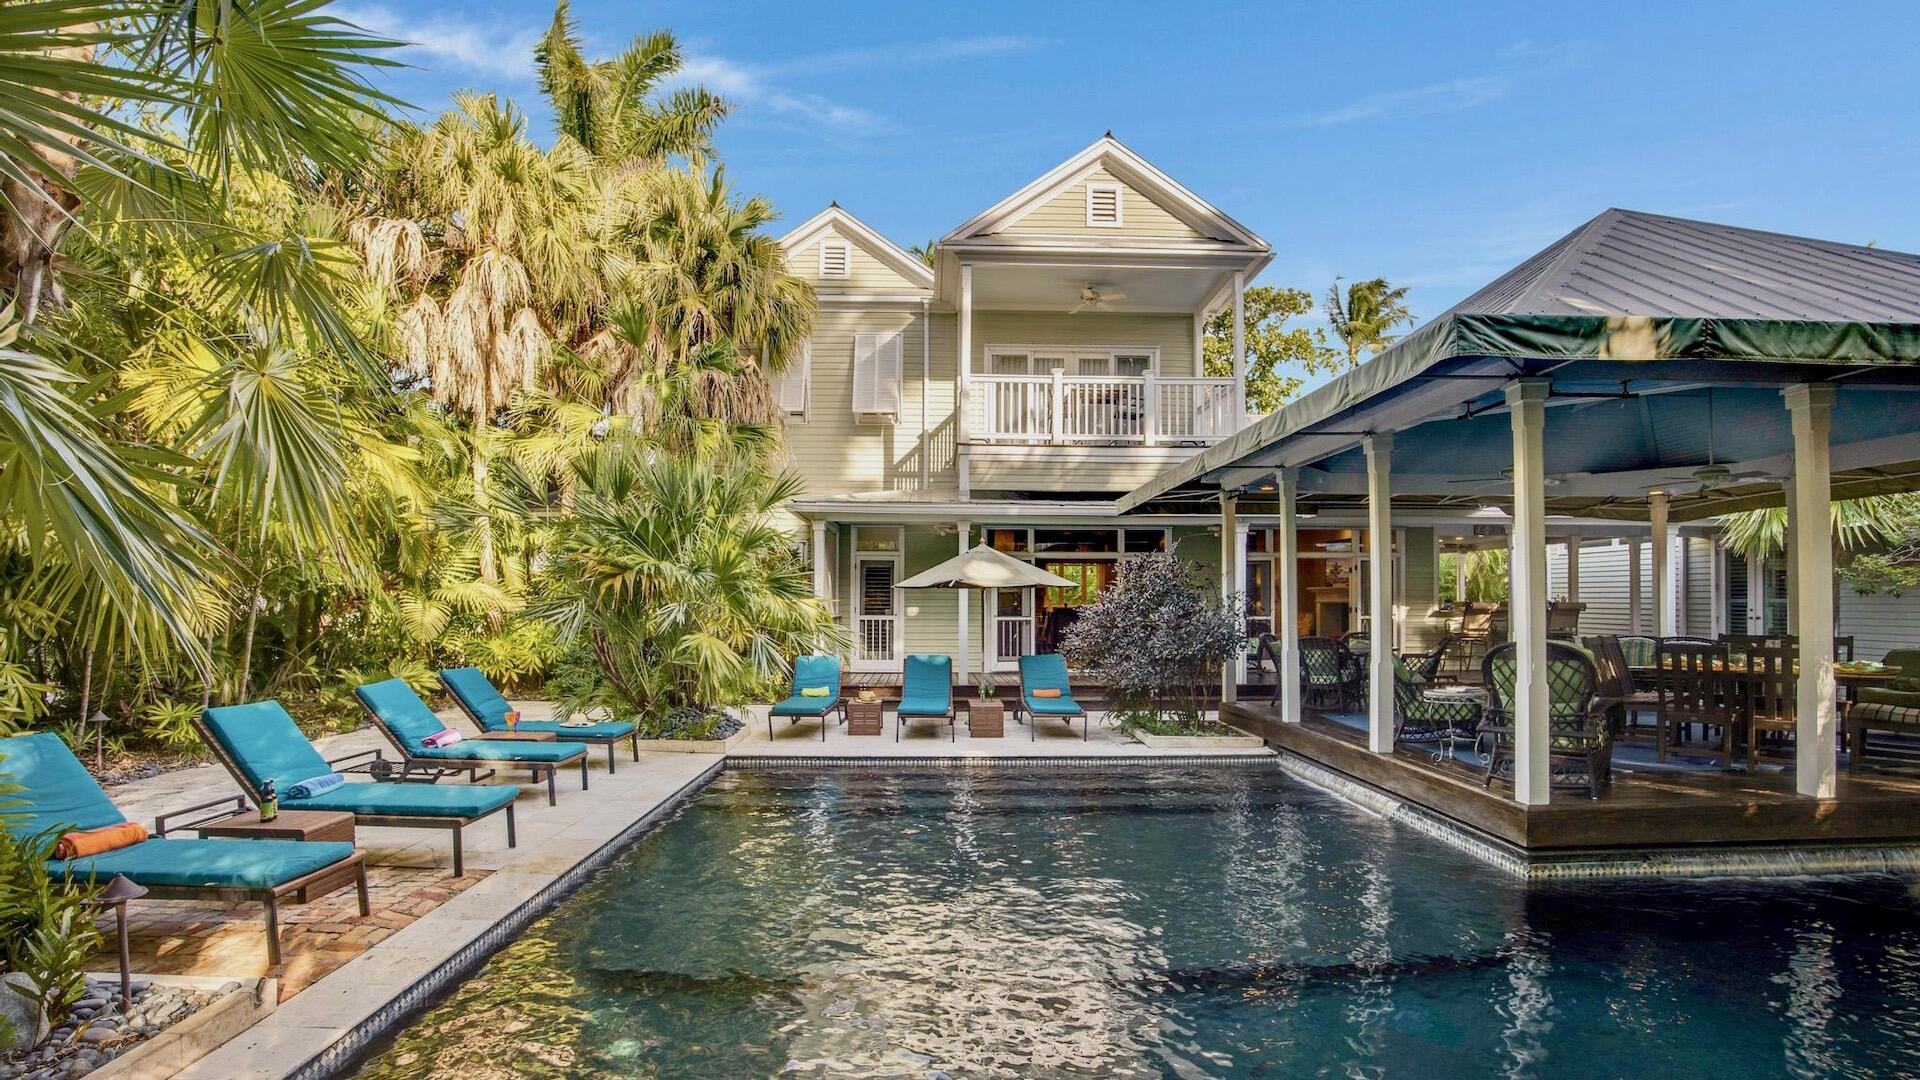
{"type": "Point", "coordinates": [1364, 318]}
{"type": "Point", "coordinates": [1857, 523]}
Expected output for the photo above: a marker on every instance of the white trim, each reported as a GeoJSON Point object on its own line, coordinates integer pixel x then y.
{"type": "Point", "coordinates": [1066, 352]}
{"type": "Point", "coordinates": [834, 252]}
{"type": "Point", "coordinates": [1128, 168]}
{"type": "Point", "coordinates": [1118, 191]}
{"type": "Point", "coordinates": [838, 220]}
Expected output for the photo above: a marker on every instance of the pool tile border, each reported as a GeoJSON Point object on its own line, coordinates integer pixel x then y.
{"type": "Point", "coordinates": [415, 998]}
{"type": "Point", "coordinates": [774, 762]}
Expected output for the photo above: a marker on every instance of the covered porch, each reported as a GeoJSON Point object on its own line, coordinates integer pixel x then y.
{"type": "Point", "coordinates": [1642, 370]}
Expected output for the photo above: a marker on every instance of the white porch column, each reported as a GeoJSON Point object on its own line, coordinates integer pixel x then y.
{"type": "Point", "coordinates": [1636, 599]}
{"type": "Point", "coordinates": [963, 379]}
{"type": "Point", "coordinates": [1460, 576]}
{"type": "Point", "coordinates": [1528, 402]}
{"type": "Point", "coordinates": [1716, 587]}
{"type": "Point", "coordinates": [1682, 581]}
{"type": "Point", "coordinates": [1229, 528]}
{"type": "Point", "coordinates": [1756, 596]}
{"type": "Point", "coordinates": [820, 561]}
{"type": "Point", "coordinates": [1379, 450]}
{"type": "Point", "coordinates": [1661, 548]}
{"type": "Point", "coordinates": [1286, 611]}
{"type": "Point", "coordinates": [960, 602]}
{"type": "Point", "coordinates": [1790, 538]}
{"type": "Point", "coordinates": [1812, 410]}
{"type": "Point", "coordinates": [1239, 350]}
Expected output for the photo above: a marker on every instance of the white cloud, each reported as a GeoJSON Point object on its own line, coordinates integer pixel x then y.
{"type": "Point", "coordinates": [488, 47]}
{"type": "Point", "coordinates": [906, 54]}
{"type": "Point", "coordinates": [749, 86]}
{"type": "Point", "coordinates": [1453, 95]}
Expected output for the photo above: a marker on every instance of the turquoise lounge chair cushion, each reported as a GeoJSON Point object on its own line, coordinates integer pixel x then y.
{"type": "Point", "coordinates": [213, 863]}
{"type": "Point", "coordinates": [483, 750]}
{"type": "Point", "coordinates": [929, 687]}
{"type": "Point", "coordinates": [266, 744]}
{"type": "Point", "coordinates": [812, 671]}
{"type": "Point", "coordinates": [1047, 671]}
{"type": "Point", "coordinates": [488, 707]}
{"type": "Point", "coordinates": [408, 800]}
{"type": "Point", "coordinates": [57, 792]}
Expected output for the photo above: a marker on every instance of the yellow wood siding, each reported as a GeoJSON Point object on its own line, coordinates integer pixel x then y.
{"type": "Point", "coordinates": [832, 452]}
{"type": "Point", "coordinates": [1067, 213]}
{"type": "Point", "coordinates": [865, 272]}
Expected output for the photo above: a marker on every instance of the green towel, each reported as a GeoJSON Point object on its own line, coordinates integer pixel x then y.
{"type": "Point", "coordinates": [815, 691]}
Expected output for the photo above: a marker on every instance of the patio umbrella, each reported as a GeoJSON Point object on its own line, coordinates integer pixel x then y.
{"type": "Point", "coordinates": [983, 567]}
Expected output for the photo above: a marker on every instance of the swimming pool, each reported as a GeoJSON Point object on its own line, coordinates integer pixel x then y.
{"type": "Point", "coordinates": [1192, 921]}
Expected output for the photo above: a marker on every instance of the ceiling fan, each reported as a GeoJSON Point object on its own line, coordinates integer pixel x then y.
{"type": "Point", "coordinates": [1708, 477]}
{"type": "Point", "coordinates": [1505, 479]}
{"type": "Point", "coordinates": [1093, 299]}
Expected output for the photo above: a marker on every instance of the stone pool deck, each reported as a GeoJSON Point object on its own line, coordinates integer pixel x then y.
{"type": "Point", "coordinates": [345, 977]}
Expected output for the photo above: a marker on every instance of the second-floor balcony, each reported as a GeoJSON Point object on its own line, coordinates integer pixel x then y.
{"type": "Point", "coordinates": [1104, 410]}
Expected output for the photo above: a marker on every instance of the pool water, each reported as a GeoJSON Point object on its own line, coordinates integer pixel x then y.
{"type": "Point", "coordinates": [1162, 922]}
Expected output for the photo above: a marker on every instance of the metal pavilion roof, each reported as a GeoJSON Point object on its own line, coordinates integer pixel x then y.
{"type": "Point", "coordinates": [1623, 312]}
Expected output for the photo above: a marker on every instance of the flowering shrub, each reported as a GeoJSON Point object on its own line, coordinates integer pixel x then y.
{"type": "Point", "coordinates": [1157, 637]}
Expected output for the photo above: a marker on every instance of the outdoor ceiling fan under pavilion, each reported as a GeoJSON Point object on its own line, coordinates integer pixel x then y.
{"type": "Point", "coordinates": [1709, 477]}
{"type": "Point", "coordinates": [1092, 298]}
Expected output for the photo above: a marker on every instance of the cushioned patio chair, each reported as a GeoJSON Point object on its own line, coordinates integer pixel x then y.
{"type": "Point", "coordinates": [259, 742]}
{"type": "Point", "coordinates": [1419, 719]}
{"type": "Point", "coordinates": [1637, 649]}
{"type": "Point", "coordinates": [405, 720]}
{"type": "Point", "coordinates": [1048, 671]}
{"type": "Point", "coordinates": [927, 694]}
{"type": "Point", "coordinates": [487, 708]}
{"type": "Point", "coordinates": [1579, 741]}
{"type": "Point", "coordinates": [812, 673]}
{"type": "Point", "coordinates": [1894, 707]}
{"type": "Point", "coordinates": [58, 795]}
{"type": "Point", "coordinates": [1323, 675]}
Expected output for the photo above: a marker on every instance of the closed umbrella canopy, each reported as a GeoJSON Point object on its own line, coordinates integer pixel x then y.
{"type": "Point", "coordinates": [983, 567]}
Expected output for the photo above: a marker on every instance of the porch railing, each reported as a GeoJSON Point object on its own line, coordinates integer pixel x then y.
{"type": "Point", "coordinates": [1105, 409]}
{"type": "Point", "coordinates": [876, 639]}
{"type": "Point", "coordinates": [1012, 638]}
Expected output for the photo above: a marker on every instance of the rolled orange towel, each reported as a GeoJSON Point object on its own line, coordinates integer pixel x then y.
{"type": "Point", "coordinates": [1047, 693]}
{"type": "Point", "coordinates": [79, 845]}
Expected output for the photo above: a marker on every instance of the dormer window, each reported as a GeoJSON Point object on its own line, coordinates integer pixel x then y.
{"type": "Point", "coordinates": [834, 258]}
{"type": "Point", "coordinates": [1103, 206]}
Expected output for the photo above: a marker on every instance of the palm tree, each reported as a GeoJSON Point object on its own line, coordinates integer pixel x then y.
{"type": "Point", "coordinates": [1857, 523]}
{"type": "Point", "coordinates": [612, 107]}
{"type": "Point", "coordinates": [1363, 318]}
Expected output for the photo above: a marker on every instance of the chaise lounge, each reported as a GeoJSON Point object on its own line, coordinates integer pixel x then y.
{"type": "Point", "coordinates": [927, 694]}
{"type": "Point", "coordinates": [1042, 673]}
{"type": "Point", "coordinates": [812, 673]}
{"type": "Point", "coordinates": [259, 742]}
{"type": "Point", "coordinates": [407, 722]}
{"type": "Point", "coordinates": [488, 707]}
{"type": "Point", "coordinates": [59, 795]}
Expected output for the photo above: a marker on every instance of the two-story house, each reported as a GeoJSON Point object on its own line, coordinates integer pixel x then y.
{"type": "Point", "coordinates": [1048, 361]}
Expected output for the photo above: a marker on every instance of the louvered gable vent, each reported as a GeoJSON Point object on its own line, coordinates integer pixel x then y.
{"type": "Point", "coordinates": [1103, 205]}
{"type": "Point", "coordinates": [834, 258]}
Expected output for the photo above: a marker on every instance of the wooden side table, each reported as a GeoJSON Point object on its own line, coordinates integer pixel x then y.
{"type": "Point", "coordinates": [514, 736]}
{"type": "Point", "coordinates": [330, 825]}
{"type": "Point", "coordinates": [864, 717]}
{"type": "Point", "coordinates": [986, 719]}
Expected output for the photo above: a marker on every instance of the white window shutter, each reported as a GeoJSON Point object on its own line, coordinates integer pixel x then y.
{"type": "Point", "coordinates": [790, 386]}
{"type": "Point", "coordinates": [876, 373]}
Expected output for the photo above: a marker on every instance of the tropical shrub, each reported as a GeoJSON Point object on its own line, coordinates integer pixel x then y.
{"type": "Point", "coordinates": [673, 587]}
{"type": "Point", "coordinates": [1157, 637]}
{"type": "Point", "coordinates": [170, 723]}
{"type": "Point", "coordinates": [46, 930]}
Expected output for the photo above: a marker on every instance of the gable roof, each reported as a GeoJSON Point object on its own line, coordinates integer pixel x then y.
{"type": "Point", "coordinates": [1137, 172]}
{"type": "Point", "coordinates": [835, 218]}
{"type": "Point", "coordinates": [1624, 262]}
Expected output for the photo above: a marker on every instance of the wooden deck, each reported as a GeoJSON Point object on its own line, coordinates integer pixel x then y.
{"type": "Point", "coordinates": [1643, 809]}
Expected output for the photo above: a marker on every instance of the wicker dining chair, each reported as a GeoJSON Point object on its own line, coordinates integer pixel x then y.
{"type": "Point", "coordinates": [1420, 719]}
{"type": "Point", "coordinates": [1323, 676]}
{"type": "Point", "coordinates": [1579, 742]}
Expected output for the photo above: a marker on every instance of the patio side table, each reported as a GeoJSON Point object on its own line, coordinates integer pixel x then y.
{"type": "Point", "coordinates": [317, 825]}
{"type": "Point", "coordinates": [864, 717]}
{"type": "Point", "coordinates": [986, 719]}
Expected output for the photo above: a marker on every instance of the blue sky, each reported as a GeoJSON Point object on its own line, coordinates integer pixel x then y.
{"type": "Point", "coordinates": [1434, 144]}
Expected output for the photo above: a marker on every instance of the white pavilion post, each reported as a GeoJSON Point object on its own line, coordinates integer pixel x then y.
{"type": "Point", "coordinates": [1286, 614]}
{"type": "Point", "coordinates": [1229, 528]}
{"type": "Point", "coordinates": [1239, 350]}
{"type": "Point", "coordinates": [1460, 576]}
{"type": "Point", "coordinates": [960, 602]}
{"type": "Point", "coordinates": [1527, 400]}
{"type": "Point", "coordinates": [1811, 408]}
{"type": "Point", "coordinates": [1379, 451]}
{"type": "Point", "coordinates": [1573, 569]}
{"type": "Point", "coordinates": [820, 561]}
{"type": "Point", "coordinates": [1661, 548]}
{"type": "Point", "coordinates": [1635, 597]}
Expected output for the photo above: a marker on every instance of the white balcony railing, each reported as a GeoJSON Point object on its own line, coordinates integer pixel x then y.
{"type": "Point", "coordinates": [1107, 410]}
{"type": "Point", "coordinates": [876, 642]}
{"type": "Point", "coordinates": [1012, 639]}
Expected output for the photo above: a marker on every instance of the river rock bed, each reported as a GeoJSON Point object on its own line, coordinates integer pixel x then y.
{"type": "Point", "coordinates": [95, 1032]}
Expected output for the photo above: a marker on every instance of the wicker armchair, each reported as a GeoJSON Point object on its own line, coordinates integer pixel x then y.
{"type": "Point", "coordinates": [1323, 674]}
{"type": "Point", "coordinates": [1579, 743]}
{"type": "Point", "coordinates": [1422, 719]}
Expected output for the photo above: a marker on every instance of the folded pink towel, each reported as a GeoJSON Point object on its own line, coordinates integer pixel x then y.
{"type": "Point", "coordinates": [443, 737]}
